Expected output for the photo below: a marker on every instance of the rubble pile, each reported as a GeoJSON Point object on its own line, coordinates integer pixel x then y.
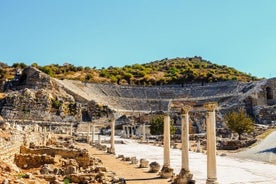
{"type": "Point", "coordinates": [59, 162]}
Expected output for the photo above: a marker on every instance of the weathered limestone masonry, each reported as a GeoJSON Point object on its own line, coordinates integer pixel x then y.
{"type": "Point", "coordinates": [10, 146]}
{"type": "Point", "coordinates": [36, 96]}
{"type": "Point", "coordinates": [81, 156]}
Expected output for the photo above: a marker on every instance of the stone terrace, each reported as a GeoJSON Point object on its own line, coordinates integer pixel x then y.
{"type": "Point", "coordinates": [155, 98]}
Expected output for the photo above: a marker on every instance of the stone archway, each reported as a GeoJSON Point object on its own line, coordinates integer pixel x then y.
{"type": "Point", "coordinates": [269, 93]}
{"type": "Point", "coordinates": [249, 105]}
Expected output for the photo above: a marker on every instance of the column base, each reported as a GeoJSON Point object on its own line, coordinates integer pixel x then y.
{"type": "Point", "coordinates": [111, 150]}
{"type": "Point", "coordinates": [211, 181]}
{"type": "Point", "coordinates": [184, 177]}
{"type": "Point", "coordinates": [89, 142]}
{"type": "Point", "coordinates": [166, 172]}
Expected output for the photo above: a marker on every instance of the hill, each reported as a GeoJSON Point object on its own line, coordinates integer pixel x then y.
{"type": "Point", "coordinates": [165, 71]}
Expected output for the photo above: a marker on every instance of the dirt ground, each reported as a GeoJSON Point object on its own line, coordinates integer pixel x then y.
{"type": "Point", "coordinates": [131, 173]}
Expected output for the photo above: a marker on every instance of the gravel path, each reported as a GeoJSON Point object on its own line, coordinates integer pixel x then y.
{"type": "Point", "coordinates": [131, 173]}
{"type": "Point", "coordinates": [264, 151]}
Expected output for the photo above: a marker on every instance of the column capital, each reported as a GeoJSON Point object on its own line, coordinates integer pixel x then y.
{"type": "Point", "coordinates": [211, 106]}
{"type": "Point", "coordinates": [185, 109]}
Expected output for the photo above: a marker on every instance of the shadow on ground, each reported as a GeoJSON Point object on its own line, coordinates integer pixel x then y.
{"type": "Point", "coordinates": [270, 150]}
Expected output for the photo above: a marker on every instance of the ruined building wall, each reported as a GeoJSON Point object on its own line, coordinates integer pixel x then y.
{"type": "Point", "coordinates": [9, 146]}
{"type": "Point", "coordinates": [82, 157]}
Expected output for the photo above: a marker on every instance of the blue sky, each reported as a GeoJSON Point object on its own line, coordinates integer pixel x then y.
{"type": "Point", "coordinates": [236, 33]}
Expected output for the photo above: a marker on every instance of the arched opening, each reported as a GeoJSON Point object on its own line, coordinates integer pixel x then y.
{"type": "Point", "coordinates": [249, 105]}
{"type": "Point", "coordinates": [269, 93]}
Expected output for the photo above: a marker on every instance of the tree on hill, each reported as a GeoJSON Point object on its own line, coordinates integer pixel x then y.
{"type": "Point", "coordinates": [239, 122]}
{"type": "Point", "coordinates": [160, 72]}
{"type": "Point", "coordinates": [19, 65]}
{"type": "Point", "coordinates": [157, 125]}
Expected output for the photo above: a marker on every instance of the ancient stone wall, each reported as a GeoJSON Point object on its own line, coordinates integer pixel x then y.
{"type": "Point", "coordinates": [33, 78]}
{"type": "Point", "coordinates": [40, 105]}
{"type": "Point", "coordinates": [81, 157]}
{"type": "Point", "coordinates": [26, 161]}
{"type": "Point", "coordinates": [9, 146]}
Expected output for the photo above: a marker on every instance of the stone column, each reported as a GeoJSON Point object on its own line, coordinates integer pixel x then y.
{"type": "Point", "coordinates": [124, 131]}
{"type": "Point", "coordinates": [127, 131]}
{"type": "Point", "coordinates": [144, 132]}
{"type": "Point", "coordinates": [166, 171]}
{"type": "Point", "coordinates": [167, 141]}
{"type": "Point", "coordinates": [88, 136]}
{"type": "Point", "coordinates": [71, 129]}
{"type": "Point", "coordinates": [185, 176]}
{"type": "Point", "coordinates": [198, 149]}
{"type": "Point", "coordinates": [44, 136]}
{"type": "Point", "coordinates": [211, 143]}
{"type": "Point", "coordinates": [112, 140]}
{"type": "Point", "coordinates": [132, 131]}
{"type": "Point", "coordinates": [99, 139]}
{"type": "Point", "coordinates": [93, 133]}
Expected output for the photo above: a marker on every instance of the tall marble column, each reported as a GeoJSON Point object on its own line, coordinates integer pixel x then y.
{"type": "Point", "coordinates": [89, 133]}
{"type": "Point", "coordinates": [93, 133]}
{"type": "Point", "coordinates": [211, 143]}
{"type": "Point", "coordinates": [167, 141]}
{"type": "Point", "coordinates": [166, 171]}
{"type": "Point", "coordinates": [144, 132]}
{"type": "Point", "coordinates": [112, 139]}
{"type": "Point", "coordinates": [184, 176]}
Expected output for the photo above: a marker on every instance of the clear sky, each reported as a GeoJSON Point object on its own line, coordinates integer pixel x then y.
{"type": "Point", "coordinates": [103, 33]}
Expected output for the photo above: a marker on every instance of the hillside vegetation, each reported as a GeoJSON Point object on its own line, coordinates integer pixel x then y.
{"type": "Point", "coordinates": [165, 71]}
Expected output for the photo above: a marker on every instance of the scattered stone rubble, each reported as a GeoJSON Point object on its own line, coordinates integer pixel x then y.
{"type": "Point", "coordinates": [58, 162]}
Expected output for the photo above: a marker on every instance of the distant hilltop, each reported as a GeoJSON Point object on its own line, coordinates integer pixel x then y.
{"type": "Point", "coordinates": [166, 71]}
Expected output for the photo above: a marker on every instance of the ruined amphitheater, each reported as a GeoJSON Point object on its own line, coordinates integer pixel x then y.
{"type": "Point", "coordinates": [42, 117]}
